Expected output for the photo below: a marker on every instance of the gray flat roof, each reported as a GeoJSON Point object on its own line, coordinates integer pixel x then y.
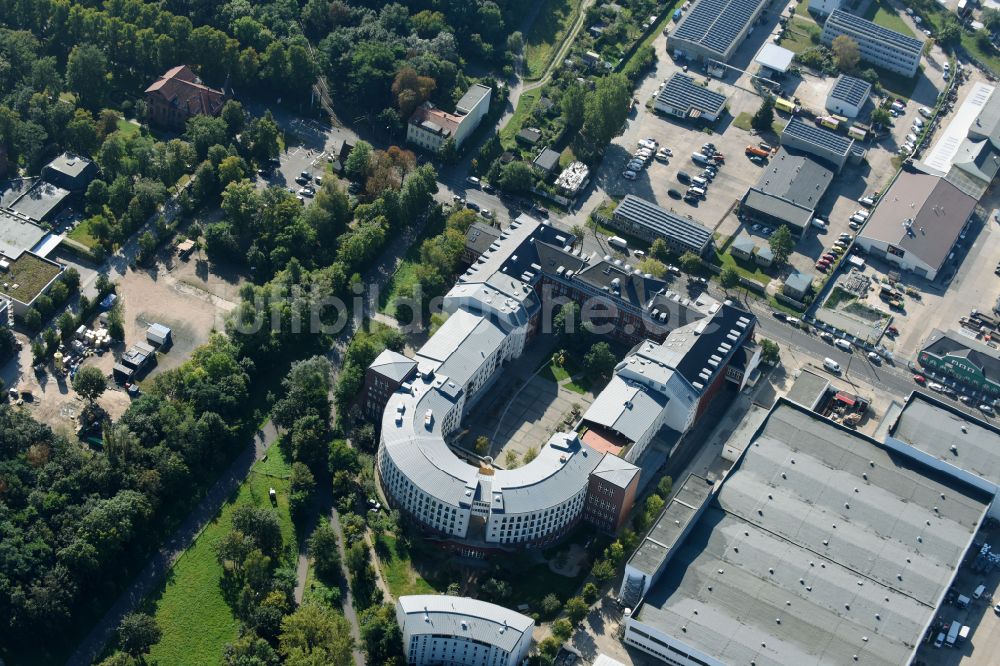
{"type": "Point", "coordinates": [668, 528]}
{"type": "Point", "coordinates": [548, 159]}
{"type": "Point", "coordinates": [472, 96]}
{"type": "Point", "coordinates": [716, 24]}
{"type": "Point", "coordinates": [664, 222]}
{"type": "Point", "coordinates": [778, 208]}
{"type": "Point", "coordinates": [817, 136]}
{"type": "Point", "coordinates": [852, 90]}
{"type": "Point", "coordinates": [808, 388]}
{"type": "Point", "coordinates": [38, 202]}
{"type": "Point", "coordinates": [821, 544]}
{"type": "Point", "coordinates": [69, 164]}
{"type": "Point", "coordinates": [936, 212]}
{"type": "Point", "coordinates": [393, 365]}
{"type": "Point", "coordinates": [934, 427]}
{"type": "Point", "coordinates": [17, 235]}
{"type": "Point", "coordinates": [843, 21]}
{"type": "Point", "coordinates": [795, 177]}
{"type": "Point", "coordinates": [681, 92]}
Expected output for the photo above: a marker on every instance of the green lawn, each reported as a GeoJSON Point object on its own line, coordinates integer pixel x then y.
{"type": "Point", "coordinates": [525, 105]}
{"type": "Point", "coordinates": [547, 34]}
{"type": "Point", "coordinates": [127, 128]}
{"type": "Point", "coordinates": [560, 373]}
{"type": "Point", "coordinates": [742, 121]}
{"type": "Point", "coordinates": [81, 234]}
{"type": "Point", "coordinates": [801, 34]}
{"type": "Point", "coordinates": [189, 607]}
{"type": "Point", "coordinates": [398, 571]}
{"type": "Point", "coordinates": [887, 18]}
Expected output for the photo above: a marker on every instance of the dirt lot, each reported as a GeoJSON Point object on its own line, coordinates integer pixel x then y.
{"type": "Point", "coordinates": [189, 297]}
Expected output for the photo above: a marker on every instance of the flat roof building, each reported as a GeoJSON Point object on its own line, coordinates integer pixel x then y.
{"type": "Point", "coordinates": [950, 440]}
{"type": "Point", "coordinates": [824, 144]}
{"type": "Point", "coordinates": [18, 234]}
{"type": "Point", "coordinates": [683, 98]}
{"type": "Point", "coordinates": [788, 191]}
{"type": "Point", "coordinates": [820, 546]}
{"type": "Point", "coordinates": [848, 96]}
{"type": "Point", "coordinates": [440, 629]}
{"type": "Point", "coordinates": [70, 172]}
{"type": "Point", "coordinates": [916, 223]}
{"type": "Point", "coordinates": [877, 45]}
{"type": "Point", "coordinates": [775, 58]}
{"type": "Point", "coordinates": [714, 29]}
{"type": "Point", "coordinates": [649, 221]}
{"type": "Point", "coordinates": [797, 285]}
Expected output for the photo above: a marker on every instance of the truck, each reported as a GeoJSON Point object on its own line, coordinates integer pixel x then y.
{"type": "Point", "coordinates": [716, 70]}
{"type": "Point", "coordinates": [786, 105]}
{"type": "Point", "coordinates": [956, 626]}
{"type": "Point", "coordinates": [828, 122]}
{"type": "Point", "coordinates": [754, 150]}
{"type": "Point", "coordinates": [857, 133]}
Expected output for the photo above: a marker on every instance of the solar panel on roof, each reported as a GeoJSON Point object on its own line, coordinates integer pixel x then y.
{"type": "Point", "coordinates": [717, 24]}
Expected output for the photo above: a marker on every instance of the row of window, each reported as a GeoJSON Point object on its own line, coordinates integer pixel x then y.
{"type": "Point", "coordinates": [688, 659]}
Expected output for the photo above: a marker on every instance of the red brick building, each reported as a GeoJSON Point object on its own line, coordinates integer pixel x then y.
{"type": "Point", "coordinates": [178, 95]}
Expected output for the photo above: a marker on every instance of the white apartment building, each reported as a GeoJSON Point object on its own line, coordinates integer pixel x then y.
{"type": "Point", "coordinates": [442, 629]}
{"type": "Point", "coordinates": [877, 45]}
{"type": "Point", "coordinates": [429, 127]}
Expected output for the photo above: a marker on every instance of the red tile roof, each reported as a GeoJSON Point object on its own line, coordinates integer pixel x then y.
{"type": "Point", "coordinates": [181, 87]}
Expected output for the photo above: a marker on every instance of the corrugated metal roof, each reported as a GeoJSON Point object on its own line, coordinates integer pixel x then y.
{"type": "Point", "coordinates": [817, 136]}
{"type": "Point", "coordinates": [664, 222]}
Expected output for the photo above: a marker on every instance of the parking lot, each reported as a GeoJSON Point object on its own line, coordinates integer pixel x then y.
{"type": "Point", "coordinates": [983, 645]}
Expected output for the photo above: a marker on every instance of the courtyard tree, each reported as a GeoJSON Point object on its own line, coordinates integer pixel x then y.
{"type": "Point", "coordinates": [770, 353]}
{"type": "Point", "coordinates": [90, 383]}
{"type": "Point", "coordinates": [781, 244]}
{"type": "Point", "coordinates": [576, 609]}
{"type": "Point", "coordinates": [690, 262]}
{"type": "Point", "coordinates": [599, 361]}
{"type": "Point", "coordinates": [846, 54]}
{"type": "Point", "coordinates": [729, 278]}
{"type": "Point", "coordinates": [482, 445]}
{"type": "Point", "coordinates": [137, 634]}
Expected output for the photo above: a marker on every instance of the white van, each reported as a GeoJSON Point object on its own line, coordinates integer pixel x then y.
{"type": "Point", "coordinates": [697, 191]}
{"type": "Point", "coordinates": [616, 241]}
{"type": "Point", "coordinates": [700, 182]}
{"type": "Point", "coordinates": [979, 592]}
{"type": "Point", "coordinates": [844, 344]}
{"type": "Point", "coordinates": [831, 365]}
{"type": "Point", "coordinates": [818, 223]}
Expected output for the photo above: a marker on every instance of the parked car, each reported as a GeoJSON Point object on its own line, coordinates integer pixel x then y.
{"type": "Point", "coordinates": [472, 205]}
{"type": "Point", "coordinates": [827, 336]}
{"type": "Point", "coordinates": [874, 358]}
{"type": "Point", "coordinates": [628, 174]}
{"type": "Point", "coordinates": [986, 409]}
{"type": "Point", "coordinates": [866, 201]}
{"type": "Point", "coordinates": [757, 159]}
{"type": "Point", "coordinates": [843, 344]}
{"type": "Point", "coordinates": [919, 379]}
{"type": "Point", "coordinates": [925, 112]}
{"type": "Point", "coordinates": [934, 386]}
{"type": "Point", "coordinates": [489, 189]}
{"type": "Point", "coordinates": [892, 330]}
{"type": "Point", "coordinates": [660, 156]}
{"type": "Point", "coordinates": [487, 213]}
{"type": "Point", "coordinates": [473, 181]}
{"type": "Point", "coordinates": [684, 177]}
{"type": "Point", "coordinates": [818, 223]}
{"type": "Point", "coordinates": [649, 143]}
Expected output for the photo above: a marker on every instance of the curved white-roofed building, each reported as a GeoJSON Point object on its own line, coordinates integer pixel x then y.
{"type": "Point", "coordinates": [441, 629]}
